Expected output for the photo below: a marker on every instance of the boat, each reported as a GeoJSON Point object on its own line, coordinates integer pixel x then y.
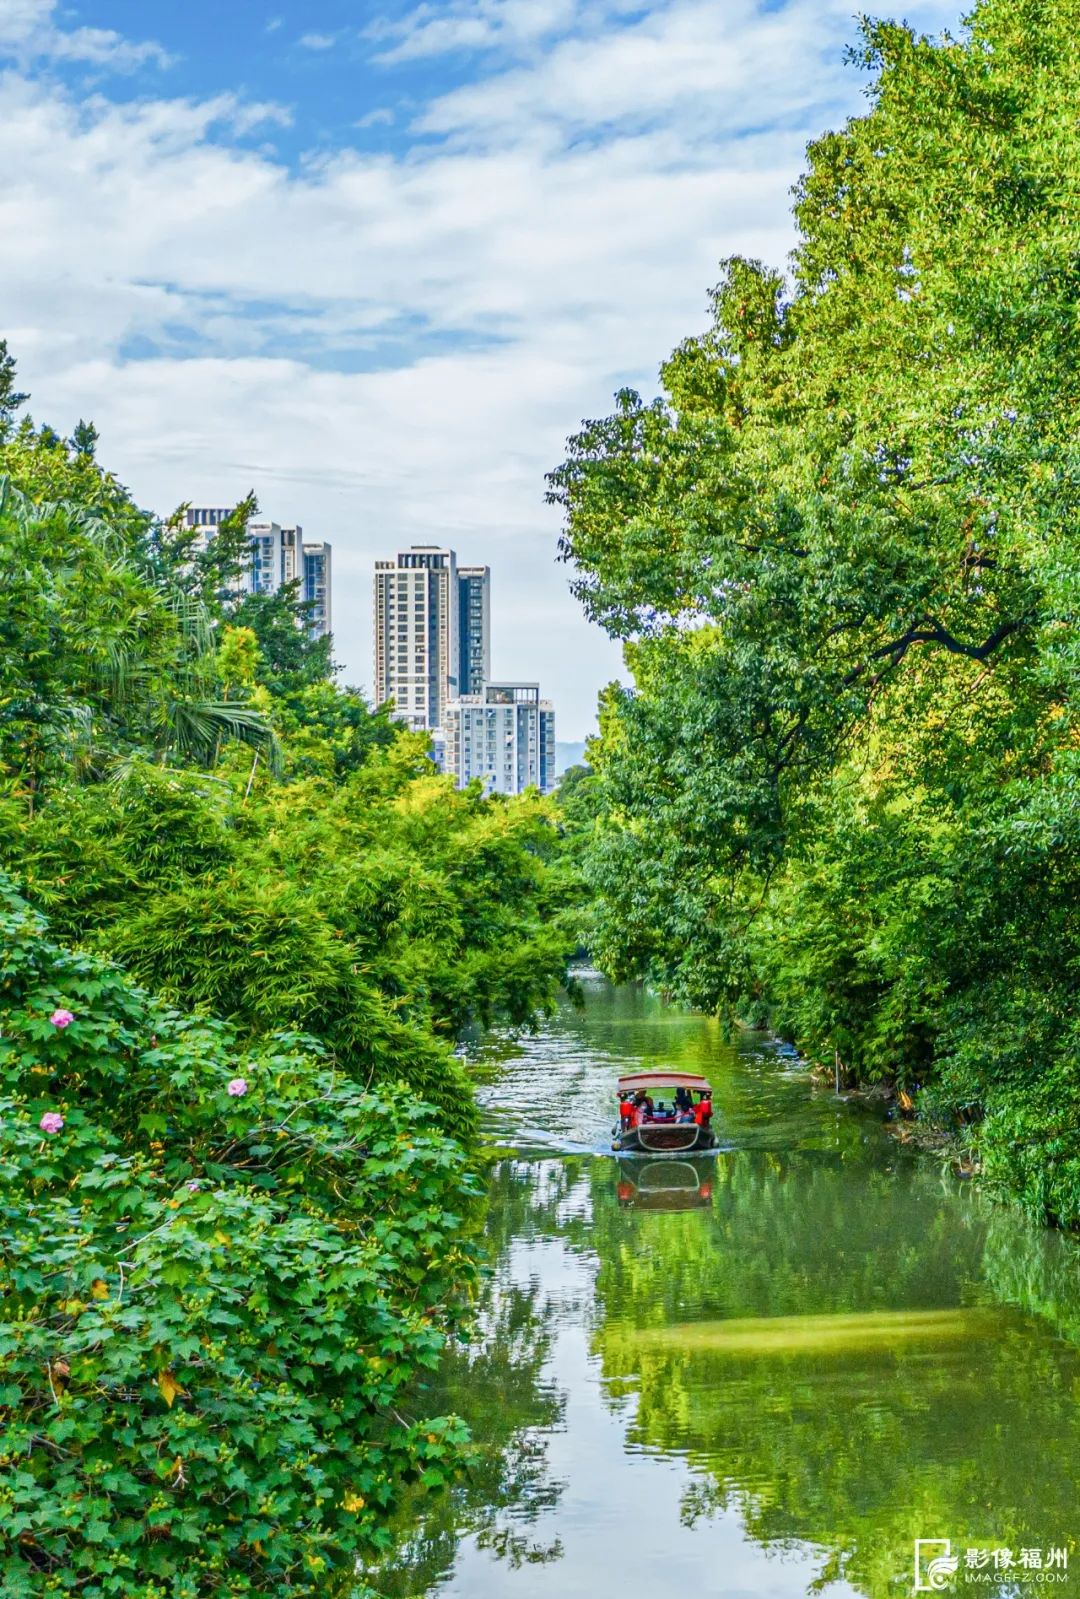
{"type": "Point", "coordinates": [650, 1124]}
{"type": "Point", "coordinates": [665, 1184]}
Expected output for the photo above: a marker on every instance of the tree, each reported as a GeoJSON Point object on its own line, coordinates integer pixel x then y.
{"type": "Point", "coordinates": [840, 551]}
{"type": "Point", "coordinates": [231, 1222]}
{"type": "Point", "coordinates": [97, 657]}
{"type": "Point", "coordinates": [223, 562]}
{"type": "Point", "coordinates": [84, 439]}
{"type": "Point", "coordinates": [10, 398]}
{"type": "Point", "coordinates": [292, 657]}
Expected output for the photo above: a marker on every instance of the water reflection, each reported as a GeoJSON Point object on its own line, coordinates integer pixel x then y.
{"type": "Point", "coordinates": [501, 1380]}
{"type": "Point", "coordinates": [664, 1184]}
{"type": "Point", "coordinates": [763, 1373]}
{"type": "Point", "coordinates": [839, 1373]}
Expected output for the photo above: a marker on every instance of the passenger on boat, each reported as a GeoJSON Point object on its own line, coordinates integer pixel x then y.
{"type": "Point", "coordinates": [703, 1110]}
{"type": "Point", "coordinates": [643, 1107]}
{"type": "Point", "coordinates": [626, 1112]}
{"type": "Point", "coordinates": [684, 1105]}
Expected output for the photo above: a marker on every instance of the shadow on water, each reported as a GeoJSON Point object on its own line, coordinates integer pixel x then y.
{"type": "Point", "coordinates": [762, 1373]}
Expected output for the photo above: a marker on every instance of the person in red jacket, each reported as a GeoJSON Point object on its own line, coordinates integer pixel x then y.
{"type": "Point", "coordinates": [703, 1110]}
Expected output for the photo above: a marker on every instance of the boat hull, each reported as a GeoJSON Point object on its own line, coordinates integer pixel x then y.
{"type": "Point", "coordinates": [662, 1138]}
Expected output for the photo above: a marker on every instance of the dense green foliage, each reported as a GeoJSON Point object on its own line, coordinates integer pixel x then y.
{"type": "Point", "coordinates": [381, 912]}
{"type": "Point", "coordinates": [841, 551]}
{"type": "Point", "coordinates": [100, 654]}
{"type": "Point", "coordinates": [291, 658]}
{"type": "Point", "coordinates": [218, 1274]}
{"type": "Point", "coordinates": [220, 1300]}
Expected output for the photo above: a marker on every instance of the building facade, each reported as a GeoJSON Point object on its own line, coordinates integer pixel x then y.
{"type": "Point", "coordinates": [474, 628]}
{"type": "Point", "coordinates": [548, 776]}
{"type": "Point", "coordinates": [207, 519]}
{"type": "Point", "coordinates": [433, 662]}
{"type": "Point", "coordinates": [503, 735]}
{"type": "Point", "coordinates": [315, 574]}
{"type": "Point", "coordinates": [417, 652]}
{"type": "Point", "coordinates": [279, 555]}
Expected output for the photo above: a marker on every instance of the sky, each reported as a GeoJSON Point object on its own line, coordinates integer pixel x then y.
{"type": "Point", "coordinates": [376, 260]}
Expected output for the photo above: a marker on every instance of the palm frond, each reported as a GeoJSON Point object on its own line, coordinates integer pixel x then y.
{"type": "Point", "coordinates": [195, 622]}
{"type": "Point", "coordinates": [195, 728]}
{"type": "Point", "coordinates": [26, 513]}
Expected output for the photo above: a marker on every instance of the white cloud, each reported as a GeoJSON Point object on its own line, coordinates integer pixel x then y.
{"type": "Point", "coordinates": [21, 19]}
{"type": "Point", "coordinates": [102, 47]}
{"type": "Point", "coordinates": [29, 31]}
{"type": "Point", "coordinates": [393, 347]}
{"type": "Point", "coordinates": [244, 116]}
{"type": "Point", "coordinates": [432, 30]}
{"type": "Point", "coordinates": [317, 41]}
{"type": "Point", "coordinates": [701, 66]}
{"type": "Point", "coordinates": [381, 117]}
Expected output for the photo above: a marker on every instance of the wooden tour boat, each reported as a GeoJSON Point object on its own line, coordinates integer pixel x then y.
{"type": "Point", "coordinates": [663, 1113]}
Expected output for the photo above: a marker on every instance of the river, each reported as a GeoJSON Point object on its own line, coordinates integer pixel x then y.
{"type": "Point", "coordinates": [764, 1373]}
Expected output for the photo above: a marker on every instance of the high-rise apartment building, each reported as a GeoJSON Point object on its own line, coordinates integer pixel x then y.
{"type": "Point", "coordinates": [474, 628]}
{"type": "Point", "coordinates": [204, 521]}
{"type": "Point", "coordinates": [432, 632]}
{"type": "Point", "coordinates": [417, 616]}
{"type": "Point", "coordinates": [504, 735]}
{"type": "Point", "coordinates": [293, 549]}
{"type": "Point", "coordinates": [315, 575]}
{"type": "Point", "coordinates": [279, 555]}
{"type": "Point", "coordinates": [433, 661]}
{"type": "Point", "coordinates": [548, 776]}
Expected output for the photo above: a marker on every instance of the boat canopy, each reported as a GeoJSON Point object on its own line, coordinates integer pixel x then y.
{"type": "Point", "coordinates": [664, 1079]}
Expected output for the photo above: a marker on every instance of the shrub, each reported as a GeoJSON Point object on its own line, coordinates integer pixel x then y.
{"type": "Point", "coordinates": [220, 1273]}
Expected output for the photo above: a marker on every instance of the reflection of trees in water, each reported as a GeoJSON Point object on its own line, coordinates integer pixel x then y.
{"type": "Point", "coordinates": [786, 1235]}
{"type": "Point", "coordinates": [858, 1453]}
{"type": "Point", "coordinates": [495, 1380]}
{"type": "Point", "coordinates": [822, 1433]}
{"type": "Point", "coordinates": [1037, 1270]}
{"type": "Point", "coordinates": [844, 1428]}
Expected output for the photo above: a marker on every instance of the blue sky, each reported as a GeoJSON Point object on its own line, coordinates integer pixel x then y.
{"type": "Point", "coordinates": [321, 62]}
{"type": "Point", "coordinates": [377, 260]}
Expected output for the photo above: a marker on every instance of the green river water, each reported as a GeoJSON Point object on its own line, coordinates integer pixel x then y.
{"type": "Point", "coordinates": [764, 1373]}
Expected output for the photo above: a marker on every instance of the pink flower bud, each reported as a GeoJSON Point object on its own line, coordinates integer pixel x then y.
{"type": "Point", "coordinates": [61, 1018]}
{"type": "Point", "coordinates": [51, 1122]}
{"type": "Point", "coordinates": [237, 1087]}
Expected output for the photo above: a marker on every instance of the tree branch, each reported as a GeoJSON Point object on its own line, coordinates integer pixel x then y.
{"type": "Point", "coordinates": [932, 632]}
